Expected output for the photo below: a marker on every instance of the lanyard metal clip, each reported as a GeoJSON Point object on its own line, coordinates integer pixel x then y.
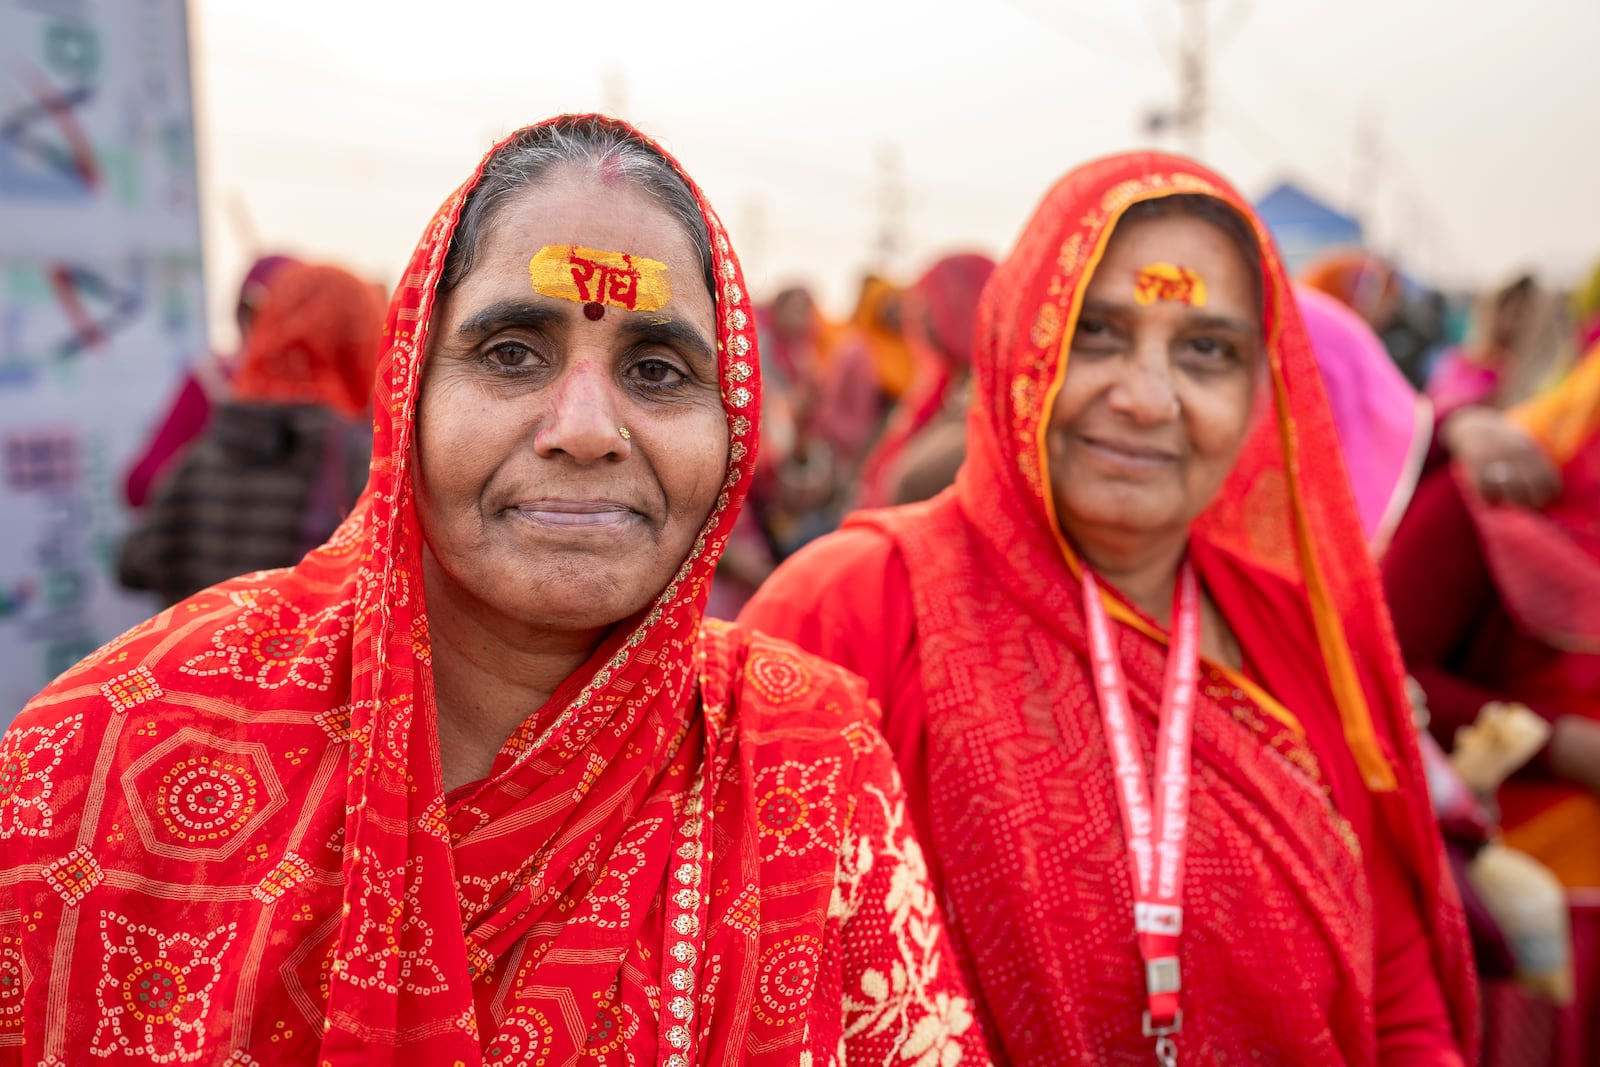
{"type": "Point", "coordinates": [1166, 1048]}
{"type": "Point", "coordinates": [1152, 1029]}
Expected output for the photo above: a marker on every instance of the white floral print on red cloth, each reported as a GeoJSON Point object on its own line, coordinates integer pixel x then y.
{"type": "Point", "coordinates": [155, 992]}
{"type": "Point", "coordinates": [28, 760]}
{"type": "Point", "coordinates": [794, 806]}
{"type": "Point", "coordinates": [273, 644]}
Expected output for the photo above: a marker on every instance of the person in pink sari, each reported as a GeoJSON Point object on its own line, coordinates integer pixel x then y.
{"type": "Point", "coordinates": [1384, 427]}
{"type": "Point", "coordinates": [1512, 346]}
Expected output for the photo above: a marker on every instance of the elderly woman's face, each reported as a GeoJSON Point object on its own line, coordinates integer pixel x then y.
{"type": "Point", "coordinates": [568, 453]}
{"type": "Point", "coordinates": [1160, 385]}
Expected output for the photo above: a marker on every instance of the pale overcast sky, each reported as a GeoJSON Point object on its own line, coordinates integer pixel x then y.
{"type": "Point", "coordinates": [333, 130]}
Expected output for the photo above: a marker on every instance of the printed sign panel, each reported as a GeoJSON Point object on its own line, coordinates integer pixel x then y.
{"type": "Point", "coordinates": [101, 306]}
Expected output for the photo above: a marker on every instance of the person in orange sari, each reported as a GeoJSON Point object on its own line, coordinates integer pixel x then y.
{"type": "Point", "coordinates": [473, 784]}
{"type": "Point", "coordinates": [1150, 453]}
{"type": "Point", "coordinates": [879, 323]}
{"type": "Point", "coordinates": [869, 365]}
{"type": "Point", "coordinates": [940, 314]}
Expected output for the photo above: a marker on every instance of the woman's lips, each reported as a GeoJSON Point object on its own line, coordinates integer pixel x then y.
{"type": "Point", "coordinates": [576, 514]}
{"type": "Point", "coordinates": [1130, 456]}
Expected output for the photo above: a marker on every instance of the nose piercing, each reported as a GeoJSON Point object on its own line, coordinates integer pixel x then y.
{"type": "Point", "coordinates": [623, 430]}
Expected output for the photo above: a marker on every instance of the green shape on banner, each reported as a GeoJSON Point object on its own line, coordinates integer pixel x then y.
{"type": "Point", "coordinates": [178, 147]}
{"type": "Point", "coordinates": [118, 165]}
{"type": "Point", "coordinates": [71, 48]}
{"type": "Point", "coordinates": [13, 600]}
{"type": "Point", "coordinates": [26, 283]}
{"type": "Point", "coordinates": [64, 589]}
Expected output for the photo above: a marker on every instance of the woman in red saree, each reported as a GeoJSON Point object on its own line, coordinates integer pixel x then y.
{"type": "Point", "coordinates": [1319, 924]}
{"type": "Point", "coordinates": [473, 784]}
{"type": "Point", "coordinates": [938, 315]}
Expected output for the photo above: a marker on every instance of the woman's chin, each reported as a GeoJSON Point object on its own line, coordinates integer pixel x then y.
{"type": "Point", "coordinates": [1122, 516]}
{"type": "Point", "coordinates": [575, 608]}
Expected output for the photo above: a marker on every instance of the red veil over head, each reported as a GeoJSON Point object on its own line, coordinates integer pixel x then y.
{"type": "Point", "coordinates": [315, 339]}
{"type": "Point", "coordinates": [232, 825]}
{"type": "Point", "coordinates": [1020, 819]}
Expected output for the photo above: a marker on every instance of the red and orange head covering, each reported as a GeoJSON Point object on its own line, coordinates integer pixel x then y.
{"type": "Point", "coordinates": [1359, 280]}
{"type": "Point", "coordinates": [314, 340]}
{"type": "Point", "coordinates": [941, 310]}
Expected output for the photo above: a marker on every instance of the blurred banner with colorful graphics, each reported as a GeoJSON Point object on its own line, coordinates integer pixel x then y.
{"type": "Point", "coordinates": [101, 306]}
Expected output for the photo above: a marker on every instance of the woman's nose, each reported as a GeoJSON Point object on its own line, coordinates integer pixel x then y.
{"type": "Point", "coordinates": [1145, 391]}
{"type": "Point", "coordinates": [583, 421]}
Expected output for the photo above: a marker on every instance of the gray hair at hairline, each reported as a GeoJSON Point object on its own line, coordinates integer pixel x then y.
{"type": "Point", "coordinates": [533, 156]}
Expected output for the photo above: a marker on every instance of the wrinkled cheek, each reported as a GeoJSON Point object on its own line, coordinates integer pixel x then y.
{"type": "Point", "coordinates": [440, 504]}
{"type": "Point", "coordinates": [694, 471]}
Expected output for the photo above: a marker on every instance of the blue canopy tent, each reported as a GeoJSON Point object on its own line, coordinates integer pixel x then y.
{"type": "Point", "coordinates": [1304, 226]}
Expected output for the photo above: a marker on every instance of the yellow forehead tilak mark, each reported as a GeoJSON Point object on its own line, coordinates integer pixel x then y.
{"type": "Point", "coordinates": [1169, 282]}
{"type": "Point", "coordinates": [594, 276]}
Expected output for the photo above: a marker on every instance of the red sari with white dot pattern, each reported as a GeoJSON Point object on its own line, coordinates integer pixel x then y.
{"type": "Point", "coordinates": [223, 837]}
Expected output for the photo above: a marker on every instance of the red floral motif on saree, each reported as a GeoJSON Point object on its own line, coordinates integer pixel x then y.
{"type": "Point", "coordinates": [226, 840]}
{"type": "Point", "coordinates": [29, 758]}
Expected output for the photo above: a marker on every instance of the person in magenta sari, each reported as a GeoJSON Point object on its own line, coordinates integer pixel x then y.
{"type": "Point", "coordinates": [1384, 426]}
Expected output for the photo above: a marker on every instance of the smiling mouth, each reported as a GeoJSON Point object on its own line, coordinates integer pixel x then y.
{"type": "Point", "coordinates": [576, 515]}
{"type": "Point", "coordinates": [1133, 457]}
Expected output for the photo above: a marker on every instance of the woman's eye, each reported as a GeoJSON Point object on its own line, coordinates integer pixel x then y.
{"type": "Point", "coordinates": [1095, 336]}
{"type": "Point", "coordinates": [1212, 348]}
{"type": "Point", "coordinates": [658, 372]}
{"type": "Point", "coordinates": [510, 355]}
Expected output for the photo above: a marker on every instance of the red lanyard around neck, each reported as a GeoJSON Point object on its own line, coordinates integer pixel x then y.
{"type": "Point", "coordinates": [1157, 829]}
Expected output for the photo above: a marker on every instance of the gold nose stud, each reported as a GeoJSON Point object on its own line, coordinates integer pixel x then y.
{"type": "Point", "coordinates": [623, 430]}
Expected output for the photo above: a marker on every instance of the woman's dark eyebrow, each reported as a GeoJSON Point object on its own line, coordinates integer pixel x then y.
{"type": "Point", "coordinates": [503, 313]}
{"type": "Point", "coordinates": [1196, 318]}
{"type": "Point", "coordinates": [674, 333]}
{"type": "Point", "coordinates": [1102, 306]}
